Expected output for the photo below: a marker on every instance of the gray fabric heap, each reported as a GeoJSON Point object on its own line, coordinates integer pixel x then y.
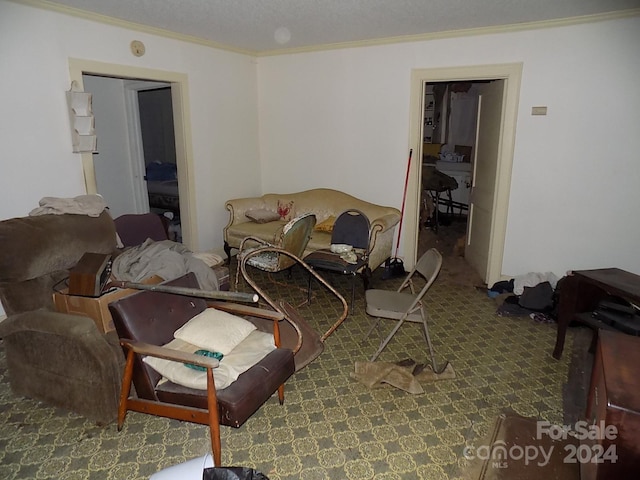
{"type": "Point", "coordinates": [166, 259]}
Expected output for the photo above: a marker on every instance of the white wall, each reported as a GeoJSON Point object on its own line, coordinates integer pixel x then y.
{"type": "Point", "coordinates": [35, 143]}
{"type": "Point", "coordinates": [340, 118]}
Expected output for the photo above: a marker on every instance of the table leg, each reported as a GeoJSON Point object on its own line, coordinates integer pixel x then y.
{"type": "Point", "coordinates": [353, 290]}
{"type": "Point", "coordinates": [566, 311]}
{"type": "Point", "coordinates": [366, 277]}
{"type": "Point", "coordinates": [577, 295]}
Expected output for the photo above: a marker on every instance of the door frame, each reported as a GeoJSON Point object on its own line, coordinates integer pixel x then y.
{"type": "Point", "coordinates": [512, 74]}
{"type": "Point", "coordinates": [182, 130]}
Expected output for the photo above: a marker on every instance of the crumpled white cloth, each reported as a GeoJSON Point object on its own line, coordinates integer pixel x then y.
{"type": "Point", "coordinates": [532, 279]}
{"type": "Point", "coordinates": [166, 259]}
{"type": "Point", "coordinates": [91, 205]}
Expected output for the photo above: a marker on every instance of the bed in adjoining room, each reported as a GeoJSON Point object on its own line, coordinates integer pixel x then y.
{"type": "Point", "coordinates": [162, 187]}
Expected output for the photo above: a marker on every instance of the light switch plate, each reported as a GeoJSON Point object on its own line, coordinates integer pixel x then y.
{"type": "Point", "coordinates": [538, 110]}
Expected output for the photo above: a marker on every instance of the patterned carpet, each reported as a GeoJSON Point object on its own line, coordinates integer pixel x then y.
{"type": "Point", "coordinates": [331, 426]}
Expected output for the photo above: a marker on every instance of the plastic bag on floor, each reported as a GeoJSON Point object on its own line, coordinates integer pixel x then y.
{"type": "Point", "coordinates": [232, 473]}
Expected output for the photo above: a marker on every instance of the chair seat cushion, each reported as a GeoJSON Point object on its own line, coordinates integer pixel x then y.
{"type": "Point", "coordinates": [267, 261]}
{"type": "Point", "coordinates": [390, 304]}
{"type": "Point", "coordinates": [242, 398]}
{"type": "Point", "coordinates": [249, 352]}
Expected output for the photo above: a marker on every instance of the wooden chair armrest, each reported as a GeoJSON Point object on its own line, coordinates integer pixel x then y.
{"type": "Point", "coordinates": [169, 354]}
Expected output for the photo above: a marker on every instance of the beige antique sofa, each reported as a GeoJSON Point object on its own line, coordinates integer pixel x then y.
{"type": "Point", "coordinates": [272, 211]}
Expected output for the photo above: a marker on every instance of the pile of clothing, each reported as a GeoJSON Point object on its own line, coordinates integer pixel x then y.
{"type": "Point", "coordinates": [533, 295]}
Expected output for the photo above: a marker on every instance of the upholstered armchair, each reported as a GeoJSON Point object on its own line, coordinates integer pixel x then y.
{"type": "Point", "coordinates": [293, 238]}
{"type": "Point", "coordinates": [60, 359]}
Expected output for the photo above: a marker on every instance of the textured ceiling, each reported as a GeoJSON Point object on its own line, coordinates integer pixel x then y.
{"type": "Point", "coordinates": [268, 25]}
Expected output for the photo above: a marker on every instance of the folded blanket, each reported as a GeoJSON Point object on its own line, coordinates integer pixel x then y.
{"type": "Point", "coordinates": [91, 205]}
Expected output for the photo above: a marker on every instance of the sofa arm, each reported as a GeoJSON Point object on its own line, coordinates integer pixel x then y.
{"type": "Point", "coordinates": [63, 360]}
{"type": "Point", "coordinates": [385, 222]}
{"type": "Point", "coordinates": [239, 206]}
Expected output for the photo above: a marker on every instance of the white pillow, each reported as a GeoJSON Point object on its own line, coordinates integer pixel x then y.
{"type": "Point", "coordinates": [215, 330]}
{"type": "Point", "coordinates": [250, 351]}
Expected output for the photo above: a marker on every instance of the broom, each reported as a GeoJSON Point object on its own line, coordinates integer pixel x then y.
{"type": "Point", "coordinates": [394, 267]}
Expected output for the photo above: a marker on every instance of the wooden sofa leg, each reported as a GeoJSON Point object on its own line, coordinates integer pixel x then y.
{"type": "Point", "coordinates": [227, 250]}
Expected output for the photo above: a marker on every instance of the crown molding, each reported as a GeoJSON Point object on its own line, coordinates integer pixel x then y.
{"type": "Point", "coordinates": [516, 27]}
{"type": "Point", "coordinates": [562, 22]}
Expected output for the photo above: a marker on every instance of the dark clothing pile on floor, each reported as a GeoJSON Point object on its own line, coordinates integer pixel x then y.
{"type": "Point", "coordinates": [533, 295]}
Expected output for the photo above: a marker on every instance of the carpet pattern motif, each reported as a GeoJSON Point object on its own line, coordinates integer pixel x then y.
{"type": "Point", "coordinates": [331, 426]}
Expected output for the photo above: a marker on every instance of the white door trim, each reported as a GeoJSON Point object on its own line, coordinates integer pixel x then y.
{"type": "Point", "coordinates": [140, 195]}
{"type": "Point", "coordinates": [512, 74]}
{"type": "Point", "coordinates": [182, 130]}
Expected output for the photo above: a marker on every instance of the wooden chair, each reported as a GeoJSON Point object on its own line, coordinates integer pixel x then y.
{"type": "Point", "coordinates": [147, 320]}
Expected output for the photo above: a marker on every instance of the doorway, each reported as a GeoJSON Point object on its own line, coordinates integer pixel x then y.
{"type": "Point", "coordinates": [182, 131]}
{"type": "Point", "coordinates": [490, 221]}
{"type": "Point", "coordinates": [448, 151]}
{"type": "Point", "coordinates": [155, 129]}
{"type": "Point", "coordinates": [136, 170]}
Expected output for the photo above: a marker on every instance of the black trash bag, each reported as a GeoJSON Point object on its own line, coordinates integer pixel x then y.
{"type": "Point", "coordinates": [232, 473]}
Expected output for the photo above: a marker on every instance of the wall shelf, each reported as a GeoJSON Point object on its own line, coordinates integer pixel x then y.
{"type": "Point", "coordinates": [83, 136]}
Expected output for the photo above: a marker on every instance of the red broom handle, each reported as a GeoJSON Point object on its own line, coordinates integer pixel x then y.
{"type": "Point", "coordinates": [404, 198]}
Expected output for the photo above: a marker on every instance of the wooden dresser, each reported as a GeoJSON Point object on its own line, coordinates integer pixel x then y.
{"type": "Point", "coordinates": [614, 401]}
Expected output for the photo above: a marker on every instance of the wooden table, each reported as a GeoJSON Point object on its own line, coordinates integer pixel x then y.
{"type": "Point", "coordinates": [582, 290]}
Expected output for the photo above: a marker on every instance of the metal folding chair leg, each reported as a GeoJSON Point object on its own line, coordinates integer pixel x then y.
{"type": "Point", "coordinates": [384, 343]}
{"type": "Point", "coordinates": [434, 365]}
{"type": "Point", "coordinates": [374, 324]}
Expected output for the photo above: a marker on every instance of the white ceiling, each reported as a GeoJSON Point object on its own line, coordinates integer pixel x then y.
{"type": "Point", "coordinates": [260, 26]}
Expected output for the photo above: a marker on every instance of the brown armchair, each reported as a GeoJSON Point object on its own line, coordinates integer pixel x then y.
{"type": "Point", "coordinates": [60, 359]}
{"type": "Point", "coordinates": [133, 229]}
{"type": "Point", "coordinates": [146, 323]}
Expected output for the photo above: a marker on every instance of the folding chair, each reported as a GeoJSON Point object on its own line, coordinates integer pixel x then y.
{"type": "Point", "coordinates": [404, 306]}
